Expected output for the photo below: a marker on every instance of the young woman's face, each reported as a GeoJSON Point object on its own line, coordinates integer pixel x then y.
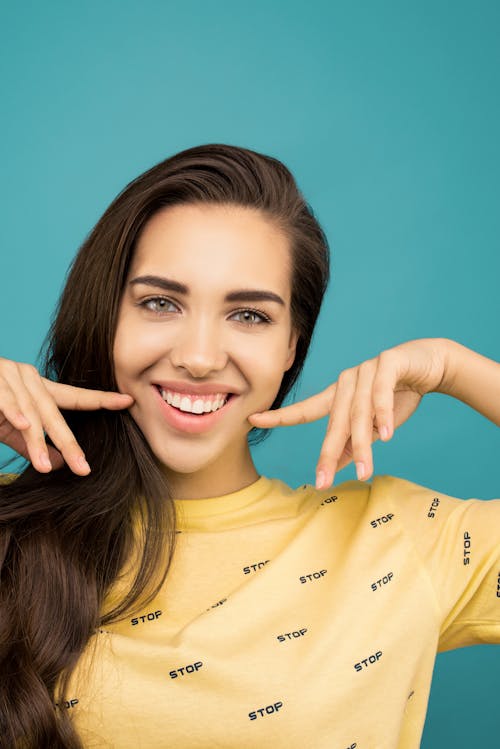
{"type": "Point", "coordinates": [199, 341]}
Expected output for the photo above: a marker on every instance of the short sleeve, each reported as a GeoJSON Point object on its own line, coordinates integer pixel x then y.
{"type": "Point", "coordinates": [458, 542]}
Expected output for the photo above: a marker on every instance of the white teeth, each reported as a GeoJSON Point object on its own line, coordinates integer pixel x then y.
{"type": "Point", "coordinates": [198, 406]}
{"type": "Point", "coordinates": [195, 405]}
{"type": "Point", "coordinates": [185, 404]}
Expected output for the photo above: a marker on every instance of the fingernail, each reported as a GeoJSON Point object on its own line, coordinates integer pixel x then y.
{"type": "Point", "coordinates": [45, 461]}
{"type": "Point", "coordinates": [384, 432]}
{"type": "Point", "coordinates": [320, 480]}
{"type": "Point", "coordinates": [360, 470]}
{"type": "Point", "coordinates": [83, 463]}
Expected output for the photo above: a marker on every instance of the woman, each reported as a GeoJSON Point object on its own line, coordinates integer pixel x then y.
{"type": "Point", "coordinates": [154, 588]}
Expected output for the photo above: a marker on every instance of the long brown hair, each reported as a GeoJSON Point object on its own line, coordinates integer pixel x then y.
{"type": "Point", "coordinates": [65, 538]}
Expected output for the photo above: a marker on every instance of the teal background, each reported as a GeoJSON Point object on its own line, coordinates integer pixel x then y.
{"type": "Point", "coordinates": [388, 115]}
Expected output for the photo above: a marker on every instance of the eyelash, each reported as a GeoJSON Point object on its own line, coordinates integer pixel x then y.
{"type": "Point", "coordinates": [264, 318]}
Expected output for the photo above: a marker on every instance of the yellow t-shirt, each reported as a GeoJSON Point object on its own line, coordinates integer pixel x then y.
{"type": "Point", "coordinates": [297, 618]}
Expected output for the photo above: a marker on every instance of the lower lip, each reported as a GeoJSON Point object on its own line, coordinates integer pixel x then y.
{"type": "Point", "coordinates": [192, 423]}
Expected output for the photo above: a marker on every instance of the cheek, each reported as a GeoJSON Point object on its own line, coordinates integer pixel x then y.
{"type": "Point", "coordinates": [273, 383]}
{"type": "Point", "coordinates": [135, 347]}
{"type": "Point", "coordinates": [266, 371]}
{"type": "Point", "coordinates": [126, 354]}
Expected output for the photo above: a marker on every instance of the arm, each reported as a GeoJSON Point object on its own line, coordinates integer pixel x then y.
{"type": "Point", "coordinates": [472, 378]}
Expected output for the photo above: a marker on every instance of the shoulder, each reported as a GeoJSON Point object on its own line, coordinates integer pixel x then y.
{"type": "Point", "coordinates": [429, 512]}
{"type": "Point", "coordinates": [385, 493]}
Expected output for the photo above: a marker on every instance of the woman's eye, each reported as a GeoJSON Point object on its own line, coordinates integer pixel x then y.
{"type": "Point", "coordinates": [159, 305]}
{"type": "Point", "coordinates": [161, 302]}
{"type": "Point", "coordinates": [248, 314]}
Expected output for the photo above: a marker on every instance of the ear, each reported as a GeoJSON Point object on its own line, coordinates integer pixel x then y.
{"type": "Point", "coordinates": [292, 346]}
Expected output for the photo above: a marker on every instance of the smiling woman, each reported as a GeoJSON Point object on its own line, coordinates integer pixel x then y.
{"type": "Point", "coordinates": [228, 228]}
{"type": "Point", "coordinates": [165, 594]}
{"type": "Point", "coordinates": [198, 342]}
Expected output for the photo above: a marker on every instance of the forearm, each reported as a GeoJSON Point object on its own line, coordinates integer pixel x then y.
{"type": "Point", "coordinates": [472, 378]}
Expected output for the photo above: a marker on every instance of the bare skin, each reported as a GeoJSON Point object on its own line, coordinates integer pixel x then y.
{"type": "Point", "coordinates": [199, 337]}
{"type": "Point", "coordinates": [30, 403]}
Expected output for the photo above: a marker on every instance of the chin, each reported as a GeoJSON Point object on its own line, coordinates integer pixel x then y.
{"type": "Point", "coordinates": [185, 459]}
{"type": "Point", "coordinates": [182, 469]}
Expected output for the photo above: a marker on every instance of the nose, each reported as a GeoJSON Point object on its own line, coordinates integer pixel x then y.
{"type": "Point", "coordinates": [199, 348]}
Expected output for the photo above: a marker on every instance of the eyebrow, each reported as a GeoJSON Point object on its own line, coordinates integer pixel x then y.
{"type": "Point", "coordinates": [239, 295]}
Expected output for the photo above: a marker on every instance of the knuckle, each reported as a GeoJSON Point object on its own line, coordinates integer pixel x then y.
{"type": "Point", "coordinates": [357, 412]}
{"type": "Point", "coordinates": [379, 394]}
{"type": "Point", "coordinates": [381, 407]}
{"type": "Point", "coordinates": [382, 411]}
{"type": "Point", "coordinates": [5, 387]}
{"type": "Point", "coordinates": [62, 434]}
{"type": "Point", "coordinates": [331, 451]}
{"type": "Point", "coordinates": [37, 444]}
{"type": "Point", "coordinates": [368, 365]}
{"type": "Point", "coordinates": [72, 446]}
{"type": "Point", "coordinates": [79, 400]}
{"type": "Point", "coordinates": [29, 370]}
{"type": "Point", "coordinates": [345, 377]}
{"type": "Point", "coordinates": [33, 415]}
{"type": "Point", "coordinates": [49, 408]}
{"type": "Point", "coordinates": [8, 366]}
{"type": "Point", "coordinates": [359, 452]}
{"type": "Point", "coordinates": [7, 363]}
{"type": "Point", "coordinates": [386, 357]}
{"type": "Point", "coordinates": [360, 443]}
{"type": "Point", "coordinates": [326, 458]}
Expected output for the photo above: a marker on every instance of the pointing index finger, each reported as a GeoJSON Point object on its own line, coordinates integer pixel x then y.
{"type": "Point", "coordinates": [309, 409]}
{"type": "Point", "coordinates": [85, 399]}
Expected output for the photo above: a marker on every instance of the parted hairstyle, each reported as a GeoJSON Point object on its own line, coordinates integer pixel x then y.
{"type": "Point", "coordinates": [64, 538]}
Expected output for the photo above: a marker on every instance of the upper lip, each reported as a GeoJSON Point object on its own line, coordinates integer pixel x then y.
{"type": "Point", "coordinates": [207, 388]}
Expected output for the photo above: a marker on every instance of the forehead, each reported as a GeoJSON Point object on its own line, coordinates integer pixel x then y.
{"type": "Point", "coordinates": [215, 246]}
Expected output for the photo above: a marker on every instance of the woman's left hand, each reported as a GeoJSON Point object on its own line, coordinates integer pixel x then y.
{"type": "Point", "coordinates": [366, 403]}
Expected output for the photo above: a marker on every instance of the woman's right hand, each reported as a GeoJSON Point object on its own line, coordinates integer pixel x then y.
{"type": "Point", "coordinates": [29, 404]}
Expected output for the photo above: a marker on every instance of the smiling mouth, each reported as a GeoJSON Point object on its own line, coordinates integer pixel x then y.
{"type": "Point", "coordinates": [192, 413]}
